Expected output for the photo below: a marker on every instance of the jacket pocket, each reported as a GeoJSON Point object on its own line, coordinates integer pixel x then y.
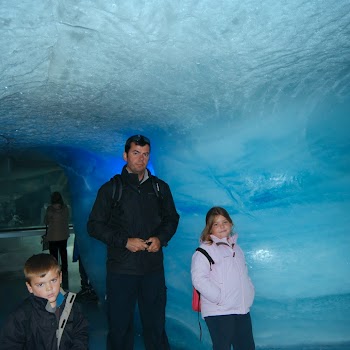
{"type": "Point", "coordinates": [249, 292]}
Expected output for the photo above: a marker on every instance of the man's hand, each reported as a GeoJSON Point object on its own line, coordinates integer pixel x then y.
{"type": "Point", "coordinates": [154, 244]}
{"type": "Point", "coordinates": [136, 245]}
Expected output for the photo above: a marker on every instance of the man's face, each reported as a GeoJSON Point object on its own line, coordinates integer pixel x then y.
{"type": "Point", "coordinates": [137, 158]}
{"type": "Point", "coordinates": [47, 287]}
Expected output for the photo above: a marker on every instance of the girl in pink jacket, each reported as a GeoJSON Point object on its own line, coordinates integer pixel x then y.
{"type": "Point", "coordinates": [227, 292]}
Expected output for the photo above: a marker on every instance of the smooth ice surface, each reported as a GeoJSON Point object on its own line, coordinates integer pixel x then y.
{"type": "Point", "coordinates": [247, 105]}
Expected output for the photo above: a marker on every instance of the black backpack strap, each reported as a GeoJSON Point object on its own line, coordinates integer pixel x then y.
{"type": "Point", "coordinates": [156, 187]}
{"type": "Point", "coordinates": [204, 252]}
{"type": "Point", "coordinates": [116, 182]}
{"type": "Point", "coordinates": [211, 261]}
{"type": "Point", "coordinates": [157, 190]}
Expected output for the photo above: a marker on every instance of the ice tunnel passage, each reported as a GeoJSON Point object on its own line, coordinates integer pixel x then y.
{"type": "Point", "coordinates": [247, 106]}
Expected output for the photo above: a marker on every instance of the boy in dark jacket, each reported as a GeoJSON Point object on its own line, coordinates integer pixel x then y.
{"type": "Point", "coordinates": [34, 324]}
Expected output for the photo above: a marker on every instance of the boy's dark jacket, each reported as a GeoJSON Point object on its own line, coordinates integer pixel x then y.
{"type": "Point", "coordinates": [139, 213]}
{"type": "Point", "coordinates": [32, 327]}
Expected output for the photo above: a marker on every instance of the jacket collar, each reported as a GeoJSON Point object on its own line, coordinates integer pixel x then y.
{"type": "Point", "coordinates": [230, 241]}
{"type": "Point", "coordinates": [132, 178]}
{"type": "Point", "coordinates": [44, 303]}
{"type": "Point", "coordinates": [60, 298]}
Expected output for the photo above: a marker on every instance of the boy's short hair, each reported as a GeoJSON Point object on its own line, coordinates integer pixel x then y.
{"type": "Point", "coordinates": [39, 265]}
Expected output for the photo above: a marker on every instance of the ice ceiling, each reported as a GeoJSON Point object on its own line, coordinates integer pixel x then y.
{"type": "Point", "coordinates": [247, 105]}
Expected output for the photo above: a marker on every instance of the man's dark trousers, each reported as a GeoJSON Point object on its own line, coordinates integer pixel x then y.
{"type": "Point", "coordinates": [123, 291]}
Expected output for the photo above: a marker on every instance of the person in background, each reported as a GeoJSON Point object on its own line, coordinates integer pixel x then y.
{"type": "Point", "coordinates": [34, 324]}
{"type": "Point", "coordinates": [87, 293]}
{"type": "Point", "coordinates": [57, 221]}
{"type": "Point", "coordinates": [135, 229]}
{"type": "Point", "coordinates": [227, 292]}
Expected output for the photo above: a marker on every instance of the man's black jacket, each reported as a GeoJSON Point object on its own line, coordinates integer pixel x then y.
{"type": "Point", "coordinates": [138, 214]}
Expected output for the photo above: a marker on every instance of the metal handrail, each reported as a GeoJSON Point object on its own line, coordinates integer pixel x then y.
{"type": "Point", "coordinates": [26, 231]}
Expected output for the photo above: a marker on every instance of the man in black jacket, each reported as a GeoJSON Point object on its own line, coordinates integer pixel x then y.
{"type": "Point", "coordinates": [135, 227]}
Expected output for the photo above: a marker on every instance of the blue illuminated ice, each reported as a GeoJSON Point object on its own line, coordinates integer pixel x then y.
{"type": "Point", "coordinates": [287, 189]}
{"type": "Point", "coordinates": [247, 104]}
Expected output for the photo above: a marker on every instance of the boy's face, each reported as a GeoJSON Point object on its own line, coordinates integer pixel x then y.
{"type": "Point", "coordinates": [47, 287]}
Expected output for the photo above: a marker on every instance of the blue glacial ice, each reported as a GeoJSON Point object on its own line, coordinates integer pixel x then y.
{"type": "Point", "coordinates": [247, 105]}
{"type": "Point", "coordinates": [287, 189]}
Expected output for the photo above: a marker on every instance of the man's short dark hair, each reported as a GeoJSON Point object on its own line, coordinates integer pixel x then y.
{"type": "Point", "coordinates": [139, 140]}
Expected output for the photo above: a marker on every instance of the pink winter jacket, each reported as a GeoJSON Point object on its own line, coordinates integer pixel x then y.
{"type": "Point", "coordinates": [225, 289]}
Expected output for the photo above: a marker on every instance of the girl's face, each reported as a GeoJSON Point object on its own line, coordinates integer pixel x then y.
{"type": "Point", "coordinates": [221, 227]}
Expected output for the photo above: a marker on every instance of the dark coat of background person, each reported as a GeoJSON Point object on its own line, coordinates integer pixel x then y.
{"type": "Point", "coordinates": [57, 220]}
